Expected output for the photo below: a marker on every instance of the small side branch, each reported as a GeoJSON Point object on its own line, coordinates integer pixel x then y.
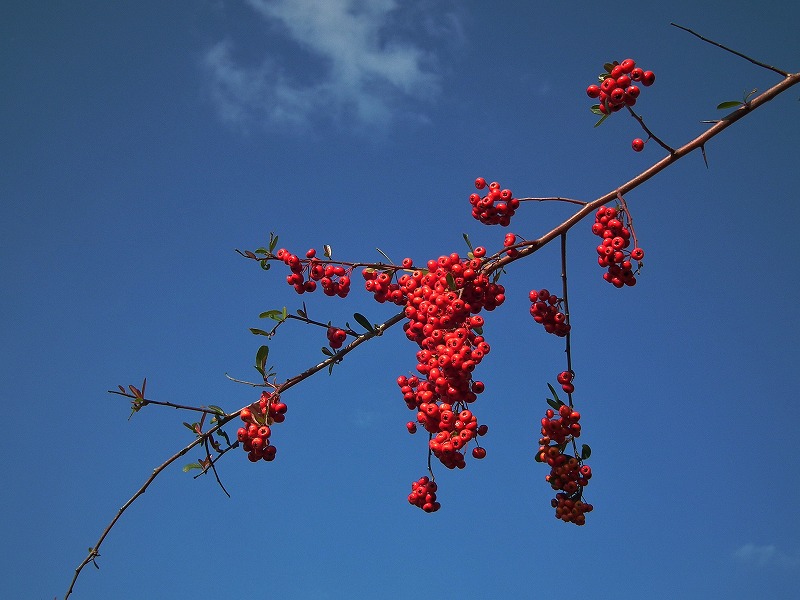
{"type": "Point", "coordinates": [739, 54]}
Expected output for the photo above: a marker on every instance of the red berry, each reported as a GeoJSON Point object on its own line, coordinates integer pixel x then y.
{"type": "Point", "coordinates": [593, 91]}
{"type": "Point", "coordinates": [479, 453]}
{"type": "Point", "coordinates": [637, 145]}
{"type": "Point", "coordinates": [480, 183]}
{"type": "Point", "coordinates": [648, 78]}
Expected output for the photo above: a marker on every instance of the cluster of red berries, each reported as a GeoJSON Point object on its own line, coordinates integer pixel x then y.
{"type": "Point", "coordinates": [423, 495]}
{"type": "Point", "coordinates": [567, 473]}
{"type": "Point", "coordinates": [565, 379]}
{"type": "Point", "coordinates": [441, 307]}
{"type": "Point", "coordinates": [617, 87]}
{"type": "Point", "coordinates": [546, 309]}
{"type": "Point", "coordinates": [382, 285]}
{"type": "Point", "coordinates": [336, 337]}
{"type": "Point", "coordinates": [496, 207]}
{"type": "Point", "coordinates": [570, 509]}
{"type": "Point", "coordinates": [613, 225]}
{"type": "Point", "coordinates": [254, 435]}
{"type": "Point", "coordinates": [452, 432]}
{"type": "Point", "coordinates": [334, 279]}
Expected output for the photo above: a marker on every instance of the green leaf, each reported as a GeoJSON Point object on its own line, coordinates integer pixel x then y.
{"type": "Point", "coordinates": [364, 322]}
{"type": "Point", "coordinates": [326, 351]}
{"type": "Point", "coordinates": [537, 458]}
{"type": "Point", "coordinates": [451, 282]}
{"type": "Point", "coordinates": [275, 315]}
{"type": "Point", "coordinates": [729, 104]}
{"type": "Point", "coordinates": [603, 118]}
{"type": "Point", "coordinates": [190, 427]}
{"type": "Point", "coordinates": [466, 239]}
{"type": "Point", "coordinates": [261, 358]}
{"type": "Point", "coordinates": [255, 331]}
{"type": "Point", "coordinates": [610, 66]}
{"type": "Point", "coordinates": [273, 241]}
{"type": "Point", "coordinates": [265, 265]}
{"type": "Point", "coordinates": [190, 466]}
{"type": "Point", "coordinates": [478, 330]}
{"type": "Point", "coordinates": [595, 108]}
{"type": "Point", "coordinates": [261, 250]}
{"type": "Point", "coordinates": [555, 404]}
{"type": "Point", "coordinates": [586, 452]}
{"type": "Point", "coordinates": [216, 409]}
{"type": "Point", "coordinates": [225, 435]}
{"type": "Point", "coordinates": [555, 394]}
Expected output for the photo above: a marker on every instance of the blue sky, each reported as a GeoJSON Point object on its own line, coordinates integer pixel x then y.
{"type": "Point", "coordinates": [142, 142]}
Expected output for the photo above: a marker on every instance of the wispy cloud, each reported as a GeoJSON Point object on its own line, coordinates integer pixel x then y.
{"type": "Point", "coordinates": [365, 58]}
{"type": "Point", "coordinates": [764, 555]}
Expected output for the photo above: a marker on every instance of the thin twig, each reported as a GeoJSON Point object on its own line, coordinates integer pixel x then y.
{"type": "Point", "coordinates": [649, 133]}
{"type": "Point", "coordinates": [553, 199]}
{"type": "Point", "coordinates": [744, 56]}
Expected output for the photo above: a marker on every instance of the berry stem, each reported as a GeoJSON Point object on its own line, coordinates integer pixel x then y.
{"type": "Point", "coordinates": [567, 346]}
{"type": "Point", "coordinates": [650, 133]}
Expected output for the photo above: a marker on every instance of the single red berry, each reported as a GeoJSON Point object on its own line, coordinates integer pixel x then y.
{"type": "Point", "coordinates": [480, 183]}
{"type": "Point", "coordinates": [627, 65]}
{"type": "Point", "coordinates": [637, 145]}
{"type": "Point", "coordinates": [648, 78]}
{"type": "Point", "coordinates": [637, 74]}
{"type": "Point", "coordinates": [412, 427]}
{"type": "Point", "coordinates": [637, 254]}
{"type": "Point", "coordinates": [593, 91]}
{"type": "Point", "coordinates": [479, 453]}
{"type": "Point", "coordinates": [479, 252]}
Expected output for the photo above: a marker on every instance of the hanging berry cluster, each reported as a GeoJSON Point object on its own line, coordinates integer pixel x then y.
{"type": "Point", "coordinates": [546, 309]}
{"type": "Point", "coordinates": [334, 279]}
{"type": "Point", "coordinates": [441, 308]}
{"type": "Point", "coordinates": [568, 475]}
{"type": "Point", "coordinates": [496, 207]}
{"type": "Point", "coordinates": [423, 495]}
{"type": "Point", "coordinates": [254, 435]}
{"type": "Point", "coordinates": [613, 225]}
{"type": "Point", "coordinates": [618, 87]}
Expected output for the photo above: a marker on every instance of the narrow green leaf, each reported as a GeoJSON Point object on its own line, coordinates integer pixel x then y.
{"type": "Point", "coordinates": [478, 330]}
{"type": "Point", "coordinates": [265, 265]}
{"type": "Point", "coordinates": [729, 104]}
{"type": "Point", "coordinates": [190, 466]}
{"type": "Point", "coordinates": [216, 409]}
{"type": "Point", "coordinates": [261, 250]}
{"type": "Point", "coordinates": [384, 255]}
{"type": "Point", "coordinates": [466, 239]}
{"type": "Point", "coordinates": [537, 458]}
{"type": "Point", "coordinates": [190, 427]}
{"type": "Point", "coordinates": [451, 282]}
{"type": "Point", "coordinates": [554, 404]}
{"type": "Point", "coordinates": [273, 241]}
{"type": "Point", "coordinates": [363, 321]}
{"type": "Point", "coordinates": [326, 352]}
{"type": "Point", "coordinates": [595, 108]}
{"type": "Point", "coordinates": [225, 435]}
{"type": "Point", "coordinates": [255, 331]}
{"type": "Point", "coordinates": [600, 122]}
{"type": "Point", "coordinates": [555, 394]}
{"type": "Point", "coordinates": [330, 368]}
{"type": "Point", "coordinates": [586, 452]}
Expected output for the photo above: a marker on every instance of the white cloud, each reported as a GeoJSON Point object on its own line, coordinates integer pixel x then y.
{"type": "Point", "coordinates": [366, 59]}
{"type": "Point", "coordinates": [764, 555]}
